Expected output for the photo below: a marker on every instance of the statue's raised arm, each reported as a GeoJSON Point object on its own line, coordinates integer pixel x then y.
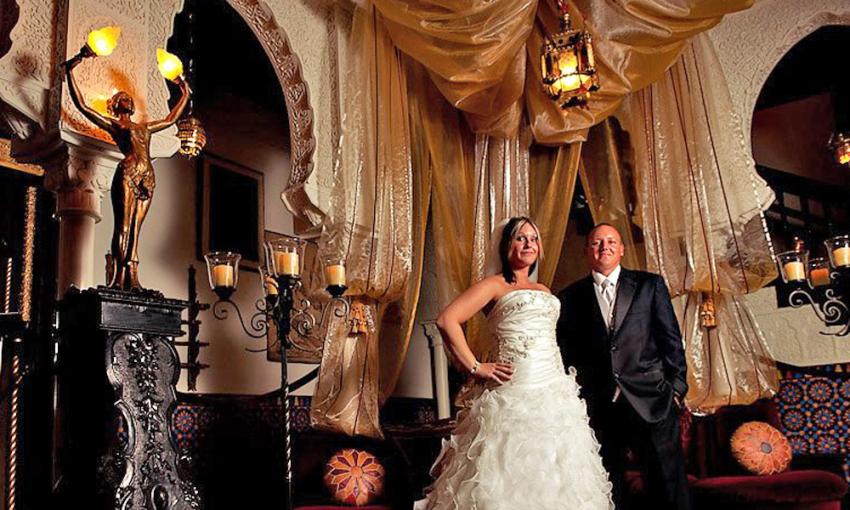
{"type": "Point", "coordinates": [74, 91]}
{"type": "Point", "coordinates": [174, 114]}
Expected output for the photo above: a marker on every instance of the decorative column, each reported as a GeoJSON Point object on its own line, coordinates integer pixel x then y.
{"type": "Point", "coordinates": [439, 370]}
{"type": "Point", "coordinates": [117, 365]}
{"type": "Point", "coordinates": [80, 183]}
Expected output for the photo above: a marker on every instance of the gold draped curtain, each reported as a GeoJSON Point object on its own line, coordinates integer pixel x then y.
{"type": "Point", "coordinates": [443, 107]}
{"type": "Point", "coordinates": [377, 226]}
{"type": "Point", "coordinates": [483, 55]}
{"type": "Point", "coordinates": [701, 207]}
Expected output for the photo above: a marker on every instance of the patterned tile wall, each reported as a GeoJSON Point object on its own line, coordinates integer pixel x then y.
{"type": "Point", "coordinates": [814, 409]}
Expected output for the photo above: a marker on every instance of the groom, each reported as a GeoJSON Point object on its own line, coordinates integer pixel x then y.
{"type": "Point", "coordinates": [619, 331]}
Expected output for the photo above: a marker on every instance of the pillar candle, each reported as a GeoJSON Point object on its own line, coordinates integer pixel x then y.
{"type": "Point", "coordinates": [820, 276]}
{"type": "Point", "coordinates": [841, 256]}
{"type": "Point", "coordinates": [335, 274]}
{"type": "Point", "coordinates": [794, 271]}
{"type": "Point", "coordinates": [223, 276]}
{"type": "Point", "coordinates": [287, 262]}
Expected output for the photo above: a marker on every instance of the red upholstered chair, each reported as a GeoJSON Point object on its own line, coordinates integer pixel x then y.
{"type": "Point", "coordinates": [718, 481]}
{"type": "Point", "coordinates": [722, 481]}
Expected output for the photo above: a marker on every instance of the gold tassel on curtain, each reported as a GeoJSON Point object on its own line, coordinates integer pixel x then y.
{"type": "Point", "coordinates": [376, 224]}
{"type": "Point", "coordinates": [703, 224]}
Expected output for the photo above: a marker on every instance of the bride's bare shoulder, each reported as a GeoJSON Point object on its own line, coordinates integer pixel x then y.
{"type": "Point", "coordinates": [495, 281]}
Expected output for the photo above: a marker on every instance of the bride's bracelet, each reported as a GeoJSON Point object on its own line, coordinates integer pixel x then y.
{"type": "Point", "coordinates": [475, 367]}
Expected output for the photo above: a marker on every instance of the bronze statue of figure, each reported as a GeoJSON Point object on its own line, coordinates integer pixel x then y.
{"type": "Point", "coordinates": [134, 181]}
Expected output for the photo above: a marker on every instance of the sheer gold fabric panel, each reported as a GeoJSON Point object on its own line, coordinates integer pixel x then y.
{"type": "Point", "coordinates": [371, 227]}
{"type": "Point", "coordinates": [729, 364]}
{"type": "Point", "coordinates": [607, 177]}
{"type": "Point", "coordinates": [702, 199]}
{"type": "Point", "coordinates": [449, 147]}
{"type": "Point", "coordinates": [702, 223]}
{"type": "Point", "coordinates": [552, 181]}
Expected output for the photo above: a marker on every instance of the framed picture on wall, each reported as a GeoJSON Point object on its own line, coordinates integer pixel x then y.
{"type": "Point", "coordinates": [312, 351]}
{"type": "Point", "coordinates": [230, 209]}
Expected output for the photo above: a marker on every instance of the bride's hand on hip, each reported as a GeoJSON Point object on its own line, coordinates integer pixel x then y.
{"type": "Point", "coordinates": [499, 372]}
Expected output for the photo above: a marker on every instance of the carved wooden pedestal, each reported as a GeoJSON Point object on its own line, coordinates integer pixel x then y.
{"type": "Point", "coordinates": [117, 366]}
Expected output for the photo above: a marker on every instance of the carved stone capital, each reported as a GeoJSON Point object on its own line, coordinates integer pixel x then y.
{"type": "Point", "coordinates": [84, 177]}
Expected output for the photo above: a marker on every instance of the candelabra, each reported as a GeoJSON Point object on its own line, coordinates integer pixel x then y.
{"type": "Point", "coordinates": [821, 283]}
{"type": "Point", "coordinates": [280, 278]}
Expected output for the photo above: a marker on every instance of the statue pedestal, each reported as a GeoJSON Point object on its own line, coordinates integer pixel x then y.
{"type": "Point", "coordinates": [117, 366]}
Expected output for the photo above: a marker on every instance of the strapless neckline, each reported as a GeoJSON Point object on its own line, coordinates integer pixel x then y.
{"type": "Point", "coordinates": [504, 297]}
{"type": "Point", "coordinates": [506, 294]}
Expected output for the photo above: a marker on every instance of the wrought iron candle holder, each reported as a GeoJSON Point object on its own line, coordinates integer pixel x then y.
{"type": "Point", "coordinates": [284, 305]}
{"type": "Point", "coordinates": [821, 283]}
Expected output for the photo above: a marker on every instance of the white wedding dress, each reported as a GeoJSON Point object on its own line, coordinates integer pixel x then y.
{"type": "Point", "coordinates": [525, 444]}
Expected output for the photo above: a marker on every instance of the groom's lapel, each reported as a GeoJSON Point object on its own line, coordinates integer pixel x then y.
{"type": "Point", "coordinates": [625, 295]}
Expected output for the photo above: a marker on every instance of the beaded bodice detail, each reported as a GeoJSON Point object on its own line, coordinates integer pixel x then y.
{"type": "Point", "coordinates": [522, 323]}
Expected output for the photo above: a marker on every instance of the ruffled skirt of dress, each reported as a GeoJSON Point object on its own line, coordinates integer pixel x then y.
{"type": "Point", "coordinates": [521, 447]}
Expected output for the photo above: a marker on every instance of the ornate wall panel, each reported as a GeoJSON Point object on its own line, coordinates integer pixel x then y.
{"type": "Point", "coordinates": [750, 43]}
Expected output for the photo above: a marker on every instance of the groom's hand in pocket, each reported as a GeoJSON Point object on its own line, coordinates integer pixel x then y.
{"type": "Point", "coordinates": [499, 372]}
{"type": "Point", "coordinates": [678, 401]}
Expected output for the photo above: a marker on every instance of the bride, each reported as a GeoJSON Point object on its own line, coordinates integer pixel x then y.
{"type": "Point", "coordinates": [525, 441]}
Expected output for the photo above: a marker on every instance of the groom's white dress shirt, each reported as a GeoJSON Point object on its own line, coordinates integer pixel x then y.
{"type": "Point", "coordinates": [606, 295]}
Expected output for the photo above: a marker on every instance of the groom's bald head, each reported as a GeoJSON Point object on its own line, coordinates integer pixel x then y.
{"type": "Point", "coordinates": [604, 248]}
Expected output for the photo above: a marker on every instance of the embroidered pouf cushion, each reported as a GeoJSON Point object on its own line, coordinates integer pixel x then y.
{"type": "Point", "coordinates": [354, 477]}
{"type": "Point", "coordinates": [760, 448]}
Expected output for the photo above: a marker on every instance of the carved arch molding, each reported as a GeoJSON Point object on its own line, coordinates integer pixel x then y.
{"type": "Point", "coordinates": [287, 67]}
{"type": "Point", "coordinates": [759, 43]}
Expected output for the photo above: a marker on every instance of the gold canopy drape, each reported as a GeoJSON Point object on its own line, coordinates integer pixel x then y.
{"type": "Point", "coordinates": [463, 118]}
{"type": "Point", "coordinates": [701, 210]}
{"type": "Point", "coordinates": [483, 54]}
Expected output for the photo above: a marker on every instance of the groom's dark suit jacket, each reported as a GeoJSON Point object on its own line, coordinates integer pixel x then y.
{"type": "Point", "coordinates": [642, 353]}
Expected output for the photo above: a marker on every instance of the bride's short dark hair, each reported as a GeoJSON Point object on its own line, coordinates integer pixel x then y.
{"type": "Point", "coordinates": [508, 234]}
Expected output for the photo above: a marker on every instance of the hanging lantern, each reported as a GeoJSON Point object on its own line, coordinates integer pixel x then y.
{"type": "Point", "coordinates": [839, 144]}
{"type": "Point", "coordinates": [568, 67]}
{"type": "Point", "coordinates": [192, 136]}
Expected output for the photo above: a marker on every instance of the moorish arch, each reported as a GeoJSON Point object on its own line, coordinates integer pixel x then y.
{"type": "Point", "coordinates": [762, 36]}
{"type": "Point", "coordinates": [287, 67]}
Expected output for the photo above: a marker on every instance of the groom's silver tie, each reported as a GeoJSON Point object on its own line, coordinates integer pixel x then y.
{"type": "Point", "coordinates": [607, 298]}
